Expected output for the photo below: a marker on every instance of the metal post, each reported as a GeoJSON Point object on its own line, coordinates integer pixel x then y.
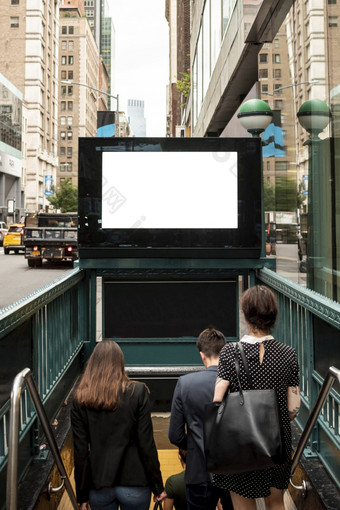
{"type": "Point", "coordinates": [12, 468]}
{"type": "Point", "coordinates": [332, 374]}
{"type": "Point", "coordinates": [13, 442]}
{"type": "Point", "coordinates": [117, 119]}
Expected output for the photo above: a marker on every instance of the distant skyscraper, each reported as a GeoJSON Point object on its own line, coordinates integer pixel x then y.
{"type": "Point", "coordinates": [98, 14]}
{"type": "Point", "coordinates": [135, 111]}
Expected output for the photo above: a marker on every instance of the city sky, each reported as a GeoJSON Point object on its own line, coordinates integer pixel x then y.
{"type": "Point", "coordinates": [142, 58]}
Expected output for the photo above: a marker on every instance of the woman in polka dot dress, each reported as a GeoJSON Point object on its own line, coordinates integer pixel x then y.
{"type": "Point", "coordinates": [272, 364]}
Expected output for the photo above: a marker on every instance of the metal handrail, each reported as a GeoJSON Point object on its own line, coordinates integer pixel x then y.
{"type": "Point", "coordinates": [332, 374]}
{"type": "Point", "coordinates": [13, 441]}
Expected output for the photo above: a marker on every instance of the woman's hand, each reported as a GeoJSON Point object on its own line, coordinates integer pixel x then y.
{"type": "Point", "coordinates": [160, 496]}
{"type": "Point", "coordinates": [85, 506]}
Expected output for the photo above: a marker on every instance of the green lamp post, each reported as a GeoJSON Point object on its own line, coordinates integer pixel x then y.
{"type": "Point", "coordinates": [314, 116]}
{"type": "Point", "coordinates": [255, 115]}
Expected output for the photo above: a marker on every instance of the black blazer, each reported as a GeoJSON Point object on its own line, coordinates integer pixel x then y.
{"type": "Point", "coordinates": [114, 448]}
{"type": "Point", "coordinates": [192, 393]}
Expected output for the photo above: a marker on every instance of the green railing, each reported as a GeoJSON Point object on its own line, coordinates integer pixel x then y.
{"type": "Point", "coordinates": [310, 323]}
{"type": "Point", "coordinates": [45, 332]}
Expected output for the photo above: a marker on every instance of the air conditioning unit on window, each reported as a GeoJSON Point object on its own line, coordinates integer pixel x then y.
{"type": "Point", "coordinates": [180, 132]}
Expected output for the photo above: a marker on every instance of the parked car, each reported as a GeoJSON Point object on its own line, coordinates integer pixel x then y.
{"type": "Point", "coordinates": [3, 230]}
{"type": "Point", "coordinates": [14, 238]}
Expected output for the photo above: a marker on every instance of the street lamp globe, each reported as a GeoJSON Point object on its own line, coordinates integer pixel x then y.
{"type": "Point", "coordinates": [255, 115]}
{"type": "Point", "coordinates": [314, 116]}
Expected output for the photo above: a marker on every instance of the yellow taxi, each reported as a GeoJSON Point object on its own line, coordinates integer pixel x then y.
{"type": "Point", "coordinates": [14, 238]}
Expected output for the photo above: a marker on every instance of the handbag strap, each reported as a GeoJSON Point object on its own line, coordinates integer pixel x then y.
{"type": "Point", "coordinates": [158, 505]}
{"type": "Point", "coordinates": [237, 368]}
{"type": "Point", "coordinates": [239, 348]}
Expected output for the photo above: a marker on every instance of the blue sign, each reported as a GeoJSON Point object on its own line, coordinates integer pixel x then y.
{"type": "Point", "coordinates": [305, 185]}
{"type": "Point", "coordinates": [48, 185]}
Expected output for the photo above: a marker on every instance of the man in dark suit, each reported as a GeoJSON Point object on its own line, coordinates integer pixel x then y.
{"type": "Point", "coordinates": [193, 391]}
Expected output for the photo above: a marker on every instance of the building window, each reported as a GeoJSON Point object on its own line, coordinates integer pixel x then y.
{"type": "Point", "coordinates": [332, 2]}
{"type": "Point", "coordinates": [69, 167]}
{"type": "Point", "coordinates": [276, 43]}
{"type": "Point", "coordinates": [263, 73]}
{"type": "Point", "coordinates": [62, 151]}
{"type": "Point", "coordinates": [64, 30]}
{"type": "Point", "coordinates": [14, 21]}
{"type": "Point", "coordinates": [278, 104]}
{"type": "Point", "coordinates": [14, 2]}
{"type": "Point", "coordinates": [63, 75]}
{"type": "Point", "coordinates": [69, 135]}
{"type": "Point", "coordinates": [63, 135]}
{"type": "Point", "coordinates": [71, 30]}
{"type": "Point", "coordinates": [265, 88]}
{"type": "Point", "coordinates": [70, 90]}
{"type": "Point", "coordinates": [63, 60]}
{"type": "Point", "coordinates": [70, 45]}
{"type": "Point", "coordinates": [332, 21]}
{"type": "Point", "coordinates": [263, 57]}
{"type": "Point", "coordinates": [63, 106]}
{"type": "Point", "coordinates": [70, 60]}
{"type": "Point", "coordinates": [69, 121]}
{"type": "Point", "coordinates": [70, 75]}
{"type": "Point", "coordinates": [63, 45]}
{"type": "Point", "coordinates": [277, 73]}
{"type": "Point", "coordinates": [281, 166]}
{"type": "Point", "coordinates": [69, 152]}
{"type": "Point", "coordinates": [70, 106]}
{"type": "Point", "coordinates": [63, 90]}
{"type": "Point", "coordinates": [277, 58]}
{"type": "Point", "coordinates": [63, 167]}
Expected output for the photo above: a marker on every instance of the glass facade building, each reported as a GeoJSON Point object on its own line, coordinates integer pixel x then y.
{"type": "Point", "coordinates": [289, 61]}
{"type": "Point", "coordinates": [11, 123]}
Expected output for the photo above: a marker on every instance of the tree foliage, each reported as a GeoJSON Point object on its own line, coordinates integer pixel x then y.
{"type": "Point", "coordinates": [284, 196]}
{"type": "Point", "coordinates": [269, 197]}
{"type": "Point", "coordinates": [65, 198]}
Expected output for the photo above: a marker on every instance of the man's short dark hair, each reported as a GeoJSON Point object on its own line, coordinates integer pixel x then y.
{"type": "Point", "coordinates": [210, 342]}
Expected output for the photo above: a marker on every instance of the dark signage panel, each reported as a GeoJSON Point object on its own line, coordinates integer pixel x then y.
{"type": "Point", "coordinates": [169, 197]}
{"type": "Point", "coordinates": [142, 309]}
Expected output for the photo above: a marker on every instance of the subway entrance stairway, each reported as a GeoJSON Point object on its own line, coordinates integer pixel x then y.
{"type": "Point", "coordinates": [57, 354]}
{"type": "Point", "coordinates": [36, 493]}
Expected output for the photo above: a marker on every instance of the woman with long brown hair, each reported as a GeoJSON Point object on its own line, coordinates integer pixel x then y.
{"type": "Point", "coordinates": [115, 457]}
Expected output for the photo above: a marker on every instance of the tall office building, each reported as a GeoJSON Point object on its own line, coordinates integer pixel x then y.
{"type": "Point", "coordinates": [79, 100]}
{"type": "Point", "coordinates": [177, 13]}
{"type": "Point", "coordinates": [135, 112]}
{"type": "Point", "coordinates": [102, 28]}
{"type": "Point", "coordinates": [29, 58]}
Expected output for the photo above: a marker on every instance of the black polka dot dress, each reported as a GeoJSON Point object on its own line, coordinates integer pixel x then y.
{"type": "Point", "coordinates": [279, 370]}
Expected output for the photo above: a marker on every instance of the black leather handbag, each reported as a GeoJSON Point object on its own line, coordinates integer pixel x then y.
{"type": "Point", "coordinates": [158, 505]}
{"type": "Point", "coordinates": [243, 432]}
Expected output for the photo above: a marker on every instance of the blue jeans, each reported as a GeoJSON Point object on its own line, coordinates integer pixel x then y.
{"type": "Point", "coordinates": [125, 498]}
{"type": "Point", "coordinates": [201, 497]}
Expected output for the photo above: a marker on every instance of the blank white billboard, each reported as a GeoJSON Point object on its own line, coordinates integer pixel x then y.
{"type": "Point", "coordinates": [170, 190]}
